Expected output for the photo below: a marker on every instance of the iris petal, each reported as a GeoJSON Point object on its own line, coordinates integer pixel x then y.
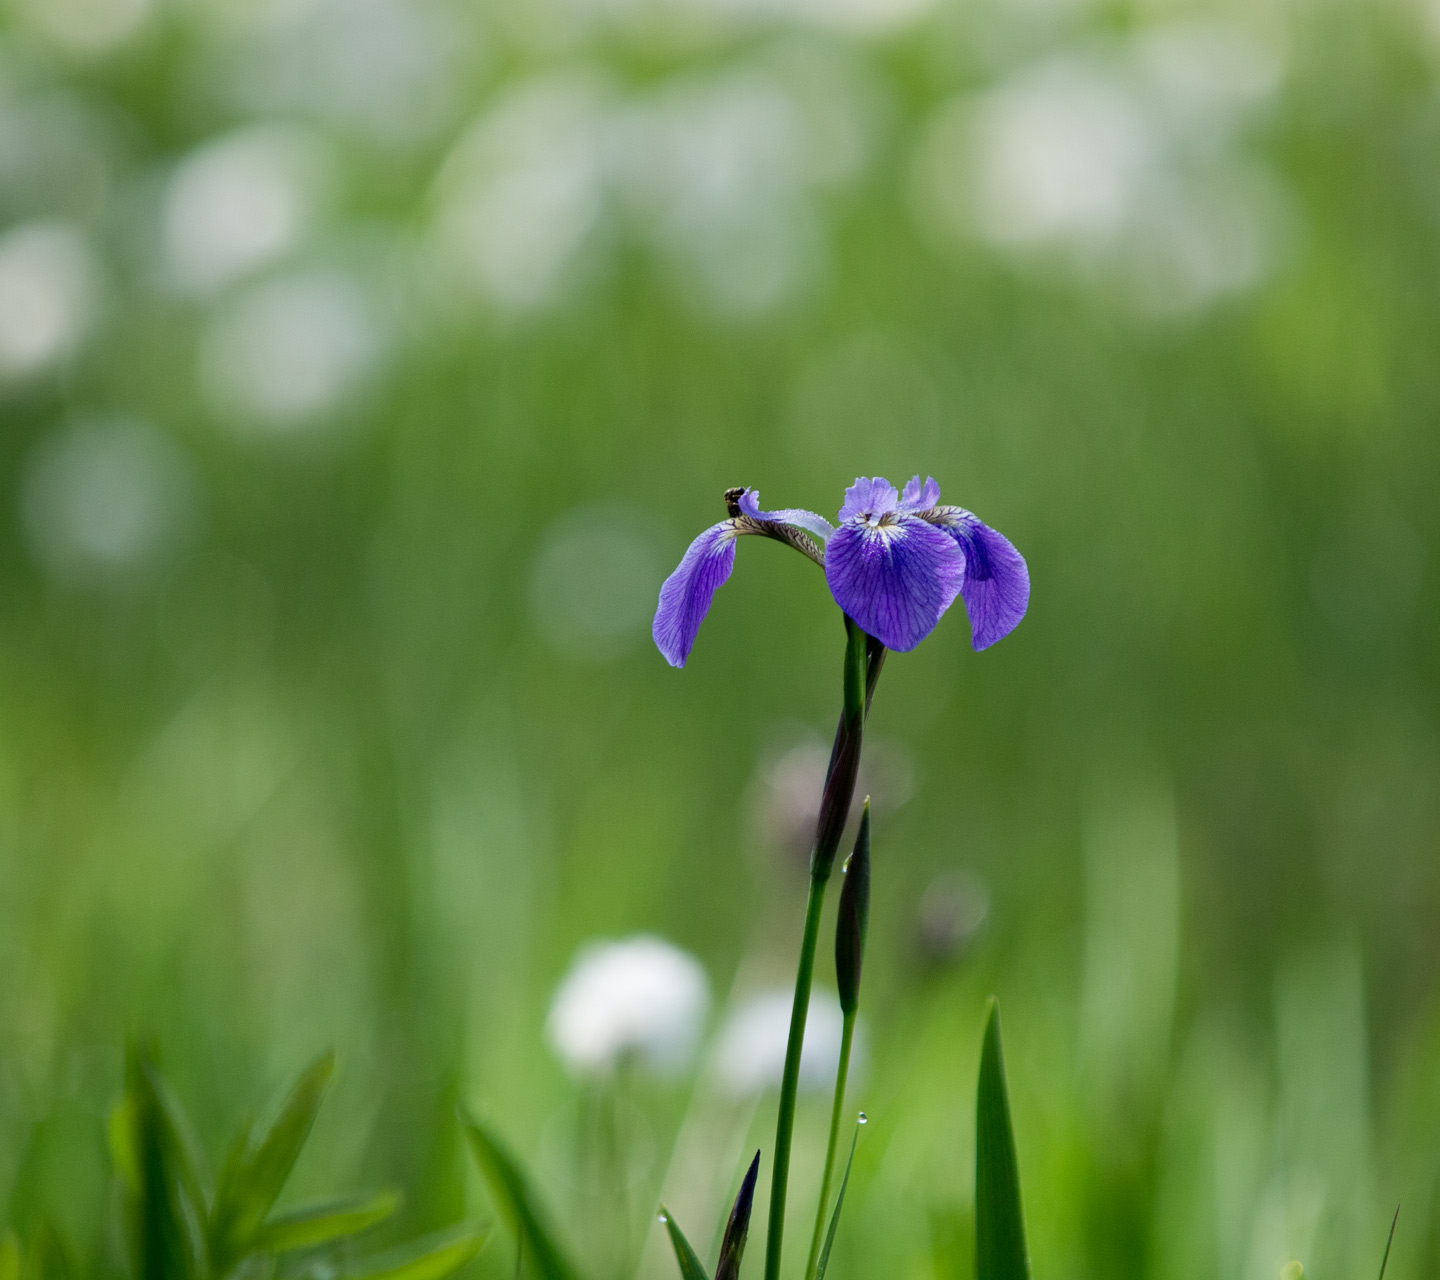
{"type": "Point", "coordinates": [817, 526]}
{"type": "Point", "coordinates": [896, 579]}
{"type": "Point", "coordinates": [686, 594]}
{"type": "Point", "coordinates": [997, 582]}
{"type": "Point", "coordinates": [872, 497]}
{"type": "Point", "coordinates": [919, 496]}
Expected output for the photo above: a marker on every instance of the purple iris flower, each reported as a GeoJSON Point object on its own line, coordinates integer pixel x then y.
{"type": "Point", "coordinates": [895, 564]}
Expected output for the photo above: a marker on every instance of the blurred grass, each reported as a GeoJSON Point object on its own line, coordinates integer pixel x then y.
{"type": "Point", "coordinates": [316, 775]}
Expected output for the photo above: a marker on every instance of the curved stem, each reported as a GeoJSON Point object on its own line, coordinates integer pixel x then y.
{"type": "Point", "coordinates": [789, 1084]}
{"type": "Point", "coordinates": [834, 808]}
{"type": "Point", "coordinates": [847, 1038]}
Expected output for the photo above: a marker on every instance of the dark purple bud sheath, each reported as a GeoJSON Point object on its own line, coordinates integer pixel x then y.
{"type": "Point", "coordinates": [732, 1247]}
{"type": "Point", "coordinates": [854, 919]}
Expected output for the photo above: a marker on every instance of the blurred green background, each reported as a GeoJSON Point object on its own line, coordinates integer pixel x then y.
{"type": "Point", "coordinates": [366, 364]}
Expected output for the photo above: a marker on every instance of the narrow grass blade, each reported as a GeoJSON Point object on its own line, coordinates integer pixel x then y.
{"type": "Point", "coordinates": [732, 1247]}
{"type": "Point", "coordinates": [691, 1268]}
{"type": "Point", "coordinates": [322, 1223]}
{"type": "Point", "coordinates": [1000, 1252]}
{"type": "Point", "coordinates": [839, 1204]}
{"type": "Point", "coordinates": [255, 1175]}
{"type": "Point", "coordinates": [164, 1201]}
{"type": "Point", "coordinates": [9, 1257]}
{"type": "Point", "coordinates": [428, 1258]}
{"type": "Point", "coordinates": [517, 1201]}
{"type": "Point", "coordinates": [1385, 1261]}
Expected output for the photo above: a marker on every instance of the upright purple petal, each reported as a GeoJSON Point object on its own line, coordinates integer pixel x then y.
{"type": "Point", "coordinates": [686, 594]}
{"type": "Point", "coordinates": [997, 583]}
{"type": "Point", "coordinates": [895, 579]}
{"type": "Point", "coordinates": [867, 498]}
{"type": "Point", "coordinates": [817, 526]}
{"type": "Point", "coordinates": [917, 496]}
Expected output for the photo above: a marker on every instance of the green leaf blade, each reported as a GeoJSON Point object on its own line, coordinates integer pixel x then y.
{"type": "Point", "coordinates": [517, 1201]}
{"type": "Point", "coordinates": [1000, 1252]}
{"type": "Point", "coordinates": [824, 1260]}
{"type": "Point", "coordinates": [320, 1224]}
{"type": "Point", "coordinates": [429, 1258]}
{"type": "Point", "coordinates": [691, 1268]}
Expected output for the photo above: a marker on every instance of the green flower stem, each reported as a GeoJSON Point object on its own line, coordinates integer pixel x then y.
{"type": "Point", "coordinates": [847, 1038]}
{"type": "Point", "coordinates": [834, 806]}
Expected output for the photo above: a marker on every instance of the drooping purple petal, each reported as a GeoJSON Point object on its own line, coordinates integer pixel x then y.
{"type": "Point", "coordinates": [872, 497]}
{"type": "Point", "coordinates": [812, 524]}
{"type": "Point", "coordinates": [917, 496]}
{"type": "Point", "coordinates": [686, 594]}
{"type": "Point", "coordinates": [895, 579]}
{"type": "Point", "coordinates": [997, 582]}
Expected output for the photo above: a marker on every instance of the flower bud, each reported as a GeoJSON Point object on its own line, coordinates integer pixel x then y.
{"type": "Point", "coordinates": [854, 918]}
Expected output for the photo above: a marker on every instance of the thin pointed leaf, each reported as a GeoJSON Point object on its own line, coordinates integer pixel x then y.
{"type": "Point", "coordinates": [322, 1223]}
{"type": "Point", "coordinates": [255, 1175]}
{"type": "Point", "coordinates": [48, 1258]}
{"type": "Point", "coordinates": [732, 1247]}
{"type": "Point", "coordinates": [824, 1260]}
{"type": "Point", "coordinates": [1000, 1252]}
{"type": "Point", "coordinates": [428, 1258]}
{"type": "Point", "coordinates": [517, 1201]}
{"type": "Point", "coordinates": [1385, 1261]}
{"type": "Point", "coordinates": [691, 1268]}
{"type": "Point", "coordinates": [164, 1203]}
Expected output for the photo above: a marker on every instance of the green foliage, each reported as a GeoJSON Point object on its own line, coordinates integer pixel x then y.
{"type": "Point", "coordinates": [824, 1260]}
{"type": "Point", "coordinates": [255, 1173]}
{"type": "Point", "coordinates": [1000, 1252]}
{"type": "Point", "coordinates": [517, 1202]}
{"type": "Point", "coordinates": [428, 1258]}
{"type": "Point", "coordinates": [691, 1268]}
{"type": "Point", "coordinates": [175, 1231]}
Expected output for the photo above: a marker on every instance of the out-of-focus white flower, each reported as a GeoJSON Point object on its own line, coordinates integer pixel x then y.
{"type": "Point", "coordinates": [519, 194]}
{"type": "Point", "coordinates": [750, 1053]}
{"type": "Point", "coordinates": [47, 295]}
{"type": "Point", "coordinates": [289, 351]}
{"type": "Point", "coordinates": [641, 997]}
{"type": "Point", "coordinates": [385, 68]}
{"type": "Point", "coordinates": [87, 26]}
{"type": "Point", "coordinates": [716, 169]}
{"type": "Point", "coordinates": [1126, 160]}
{"type": "Point", "coordinates": [105, 499]}
{"type": "Point", "coordinates": [592, 583]}
{"type": "Point", "coordinates": [239, 202]}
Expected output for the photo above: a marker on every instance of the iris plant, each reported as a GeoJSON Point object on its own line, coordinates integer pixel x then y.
{"type": "Point", "coordinates": [895, 563]}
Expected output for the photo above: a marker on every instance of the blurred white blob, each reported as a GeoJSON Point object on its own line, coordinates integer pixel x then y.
{"type": "Point", "coordinates": [521, 191]}
{"type": "Point", "coordinates": [857, 18]}
{"type": "Point", "coordinates": [848, 17]}
{"type": "Point", "coordinates": [385, 68]}
{"type": "Point", "coordinates": [785, 791]}
{"type": "Point", "coordinates": [105, 499]}
{"type": "Point", "coordinates": [48, 286]}
{"type": "Point", "coordinates": [289, 351]}
{"type": "Point", "coordinates": [716, 173]}
{"type": "Point", "coordinates": [593, 582]}
{"type": "Point", "coordinates": [716, 168]}
{"type": "Point", "coordinates": [87, 26]}
{"type": "Point", "coordinates": [750, 1053]}
{"type": "Point", "coordinates": [1126, 161]}
{"type": "Point", "coordinates": [240, 202]}
{"type": "Point", "coordinates": [640, 998]}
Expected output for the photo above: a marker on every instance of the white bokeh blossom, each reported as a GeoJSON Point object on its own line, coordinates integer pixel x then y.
{"type": "Point", "coordinates": [639, 998]}
{"type": "Point", "coordinates": [750, 1050]}
{"type": "Point", "coordinates": [1126, 159]}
